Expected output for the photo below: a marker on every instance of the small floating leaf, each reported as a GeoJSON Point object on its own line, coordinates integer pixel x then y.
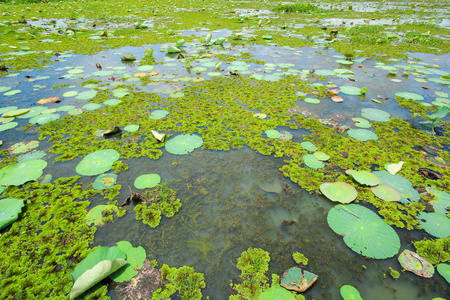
{"type": "Point", "coordinates": [348, 292]}
{"type": "Point", "coordinates": [9, 211]}
{"type": "Point", "coordinates": [295, 279]}
{"type": "Point", "coordinates": [364, 177]}
{"type": "Point", "coordinates": [104, 181]}
{"type": "Point", "coordinates": [273, 134]}
{"type": "Point", "coordinates": [312, 162]}
{"type": "Point", "coordinates": [362, 134]}
{"type": "Point", "coordinates": [394, 168]}
{"type": "Point", "coordinates": [444, 270]}
{"type": "Point", "coordinates": [183, 144]}
{"type": "Point", "coordinates": [338, 191]}
{"type": "Point", "coordinates": [97, 162]}
{"type": "Point", "coordinates": [386, 193]}
{"type": "Point", "coordinates": [147, 181]}
{"type": "Point", "coordinates": [308, 146]}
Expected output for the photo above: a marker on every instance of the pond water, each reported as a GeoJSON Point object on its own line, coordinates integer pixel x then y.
{"type": "Point", "coordinates": [236, 199]}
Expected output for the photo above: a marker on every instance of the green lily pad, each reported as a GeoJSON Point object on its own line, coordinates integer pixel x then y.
{"type": "Point", "coordinates": [364, 177]}
{"type": "Point", "coordinates": [442, 202]}
{"type": "Point", "coordinates": [86, 95]}
{"type": "Point", "coordinates": [104, 181]}
{"type": "Point", "coordinates": [70, 94]}
{"type": "Point", "coordinates": [386, 193]}
{"type": "Point", "coordinates": [362, 134]}
{"type": "Point", "coordinates": [276, 293]}
{"type": "Point", "coordinates": [415, 263]}
{"type": "Point", "coordinates": [19, 173]}
{"type": "Point", "coordinates": [435, 224]}
{"type": "Point", "coordinates": [344, 62]}
{"type": "Point", "coordinates": [400, 184]}
{"type": "Point", "coordinates": [10, 209]}
{"type": "Point", "coordinates": [410, 96]}
{"type": "Point", "coordinates": [6, 109]}
{"type": "Point", "coordinates": [308, 146]}
{"type": "Point", "coordinates": [321, 156]}
{"type": "Point", "coordinates": [91, 106]}
{"type": "Point", "coordinates": [42, 119]}
{"type": "Point", "coordinates": [348, 292]}
{"type": "Point", "coordinates": [23, 147]}
{"type": "Point", "coordinates": [135, 259]}
{"type": "Point", "coordinates": [158, 114]}
{"type": "Point", "coordinates": [147, 181]}
{"type": "Point", "coordinates": [375, 114]}
{"type": "Point", "coordinates": [183, 144]}
{"type": "Point", "coordinates": [145, 68]}
{"type": "Point", "coordinates": [260, 115]}
{"type": "Point", "coordinates": [363, 231]}
{"type": "Point", "coordinates": [339, 191]}
{"type": "Point", "coordinates": [95, 214]}
{"type": "Point", "coordinates": [15, 113]}
{"type": "Point", "coordinates": [97, 162]}
{"type": "Point", "coordinates": [112, 102]}
{"type": "Point", "coordinates": [312, 162]}
{"type": "Point", "coordinates": [131, 128]}
{"type": "Point", "coordinates": [7, 126]}
{"type": "Point", "coordinates": [66, 108]}
{"type": "Point", "coordinates": [312, 100]}
{"type": "Point", "coordinates": [296, 279]}
{"type": "Point", "coordinates": [444, 270]}
{"type": "Point", "coordinates": [35, 154]}
{"type": "Point", "coordinates": [273, 134]}
{"type": "Point", "coordinates": [350, 90]}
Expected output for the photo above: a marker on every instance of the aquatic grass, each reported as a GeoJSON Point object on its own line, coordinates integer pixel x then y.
{"type": "Point", "coordinates": [300, 7]}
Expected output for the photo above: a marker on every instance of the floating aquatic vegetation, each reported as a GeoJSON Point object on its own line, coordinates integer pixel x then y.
{"type": "Point", "coordinates": [50, 100]}
{"type": "Point", "coordinates": [19, 173]}
{"type": "Point", "coordinates": [273, 134]}
{"type": "Point", "coordinates": [364, 177]}
{"type": "Point", "coordinates": [104, 181]}
{"type": "Point", "coordinates": [23, 147]}
{"type": "Point", "coordinates": [348, 292]}
{"type": "Point", "coordinates": [158, 114]}
{"type": "Point", "coordinates": [91, 106]}
{"type": "Point", "coordinates": [350, 90]}
{"type": "Point", "coordinates": [363, 231]}
{"type": "Point", "coordinates": [135, 259]}
{"type": "Point", "coordinates": [276, 293]}
{"type": "Point", "coordinates": [415, 263]}
{"type": "Point", "coordinates": [362, 135]}
{"type": "Point", "coordinates": [295, 279]}
{"type": "Point", "coordinates": [7, 126]}
{"type": "Point", "coordinates": [128, 57]}
{"type": "Point", "coordinates": [321, 156]}
{"type": "Point", "coordinates": [339, 191]}
{"type": "Point", "coordinates": [9, 211]}
{"type": "Point", "coordinates": [441, 204]}
{"type": "Point", "coordinates": [386, 193]}
{"type": "Point", "coordinates": [147, 181]}
{"type": "Point", "coordinates": [97, 162]}
{"type": "Point", "coordinates": [435, 224]}
{"type": "Point", "coordinates": [44, 118]}
{"type": "Point", "coordinates": [15, 113]}
{"type": "Point", "coordinates": [308, 146]}
{"type": "Point", "coordinates": [183, 144]}
{"type": "Point", "coordinates": [375, 114]}
{"type": "Point", "coordinates": [400, 184]}
{"type": "Point", "coordinates": [97, 214]}
{"type": "Point", "coordinates": [444, 270]}
{"type": "Point", "coordinates": [411, 96]}
{"type": "Point", "coordinates": [394, 168]}
{"type": "Point", "coordinates": [311, 161]}
{"type": "Point", "coordinates": [131, 128]}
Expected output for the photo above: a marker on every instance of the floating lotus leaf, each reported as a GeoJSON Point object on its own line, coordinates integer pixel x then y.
{"type": "Point", "coordinates": [400, 184]}
{"type": "Point", "coordinates": [344, 62]}
{"type": "Point", "coordinates": [410, 96]}
{"type": "Point", "coordinates": [66, 108]}
{"type": "Point", "coordinates": [312, 100]}
{"type": "Point", "coordinates": [111, 102]}
{"type": "Point", "coordinates": [97, 162]}
{"type": "Point", "coordinates": [177, 94]}
{"type": "Point", "coordinates": [444, 270]}
{"type": "Point", "coordinates": [86, 95]}
{"type": "Point", "coordinates": [415, 263]}
{"type": "Point", "coordinates": [91, 106]}
{"type": "Point", "coordinates": [7, 126]}
{"type": "Point", "coordinates": [48, 100]}
{"type": "Point", "coordinates": [362, 134]}
{"type": "Point", "coordinates": [42, 119]}
{"type": "Point", "coordinates": [339, 191]}
{"type": "Point", "coordinates": [276, 293]}
{"type": "Point", "coordinates": [435, 224]}
{"type": "Point", "coordinates": [363, 231]}
{"type": "Point", "coordinates": [183, 144]}
{"type": "Point", "coordinates": [173, 49]}
{"type": "Point", "coordinates": [23, 147]}
{"type": "Point", "coordinates": [442, 202]}
{"type": "Point", "coordinates": [8, 108]}
{"type": "Point", "coordinates": [158, 114]}
{"type": "Point", "coordinates": [312, 162]}
{"type": "Point", "coordinates": [375, 114]}
{"type": "Point", "coordinates": [104, 181]}
{"type": "Point", "coordinates": [19, 173]}
{"type": "Point", "coordinates": [364, 177]}
{"type": "Point", "coordinates": [350, 90]}
{"type": "Point", "coordinates": [386, 193]}
{"type": "Point", "coordinates": [70, 94]}
{"type": "Point", "coordinates": [6, 120]}
{"type": "Point", "coordinates": [15, 113]}
{"type": "Point", "coordinates": [308, 146]}
{"type": "Point", "coordinates": [10, 209]}
{"type": "Point", "coordinates": [135, 260]}
{"type": "Point", "coordinates": [131, 128]}
{"type": "Point", "coordinates": [394, 168]}
{"type": "Point", "coordinates": [94, 275]}
{"type": "Point", "coordinates": [159, 136]}
{"type": "Point", "coordinates": [145, 68]}
{"type": "Point", "coordinates": [295, 279]}
{"type": "Point", "coordinates": [348, 292]}
{"type": "Point", "coordinates": [259, 115]}
{"type": "Point", "coordinates": [285, 135]}
{"type": "Point", "coordinates": [273, 134]}
{"type": "Point", "coordinates": [147, 181]}
{"type": "Point", "coordinates": [76, 111]}
{"type": "Point", "coordinates": [95, 214]}
{"type": "Point", "coordinates": [361, 123]}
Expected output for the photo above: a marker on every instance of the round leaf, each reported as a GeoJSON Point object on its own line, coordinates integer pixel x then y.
{"type": "Point", "coordinates": [364, 177]}
{"type": "Point", "coordinates": [386, 193]}
{"type": "Point", "coordinates": [339, 191]}
{"type": "Point", "coordinates": [183, 144]}
{"type": "Point", "coordinates": [19, 173]}
{"type": "Point", "coordinates": [362, 134]}
{"type": "Point", "coordinates": [435, 224]}
{"type": "Point", "coordinates": [104, 181]}
{"type": "Point", "coordinates": [147, 181]}
{"type": "Point", "coordinates": [97, 162]}
{"type": "Point", "coordinates": [9, 211]}
{"type": "Point", "coordinates": [348, 292]}
{"type": "Point", "coordinates": [444, 270]}
{"type": "Point", "coordinates": [135, 259]}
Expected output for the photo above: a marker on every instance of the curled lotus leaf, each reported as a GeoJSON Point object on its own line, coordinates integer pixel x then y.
{"type": "Point", "coordinates": [104, 181]}
{"type": "Point", "coordinates": [97, 162]}
{"type": "Point", "coordinates": [135, 260]}
{"type": "Point", "coordinates": [183, 144]}
{"type": "Point", "coordinates": [364, 177]}
{"type": "Point", "coordinates": [364, 231]}
{"type": "Point", "coordinates": [444, 270]}
{"type": "Point", "coordinates": [19, 173]}
{"type": "Point", "coordinates": [339, 191]}
{"type": "Point", "coordinates": [415, 263]}
{"type": "Point", "coordinates": [9, 211]}
{"type": "Point", "coordinates": [23, 147]}
{"type": "Point", "coordinates": [435, 224]}
{"type": "Point", "coordinates": [49, 100]}
{"type": "Point", "coordinates": [295, 279]}
{"type": "Point", "coordinates": [348, 292]}
{"type": "Point", "coordinates": [386, 193]}
{"type": "Point", "coordinates": [394, 168]}
{"type": "Point", "coordinates": [147, 181]}
{"type": "Point", "coordinates": [173, 49]}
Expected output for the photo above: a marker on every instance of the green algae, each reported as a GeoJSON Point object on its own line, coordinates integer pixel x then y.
{"type": "Point", "coordinates": [434, 251]}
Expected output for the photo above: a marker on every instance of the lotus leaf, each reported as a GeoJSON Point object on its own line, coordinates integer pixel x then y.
{"type": "Point", "coordinates": [308, 146]}
{"type": "Point", "coordinates": [8, 108]}
{"type": "Point", "coordinates": [183, 144]}
{"type": "Point", "coordinates": [350, 90]}
{"type": "Point", "coordinates": [276, 293]}
{"type": "Point", "coordinates": [66, 108]}
{"type": "Point", "coordinates": [394, 168]}
{"type": "Point", "coordinates": [295, 279]}
{"type": "Point", "coordinates": [259, 115]}
{"type": "Point", "coordinates": [112, 102]}
{"type": "Point", "coordinates": [362, 134]}
{"type": "Point", "coordinates": [94, 275]}
{"type": "Point", "coordinates": [97, 162]}
{"type": "Point", "coordinates": [49, 100]}
{"type": "Point", "coordinates": [411, 96]}
{"type": "Point", "coordinates": [285, 135]}
{"type": "Point", "coordinates": [338, 191]}
{"type": "Point", "coordinates": [104, 181]}
{"type": "Point", "coordinates": [173, 49]}
{"type": "Point", "coordinates": [9, 211]}
{"type": "Point", "coordinates": [19, 173]}
{"type": "Point", "coordinates": [361, 123]}
{"type": "Point", "coordinates": [147, 181]}
{"type": "Point", "coordinates": [364, 177]}
{"type": "Point", "coordinates": [386, 193]}
{"type": "Point", "coordinates": [435, 224]}
{"type": "Point", "coordinates": [344, 62]}
{"type": "Point", "coordinates": [312, 100]}
{"type": "Point", "coordinates": [400, 184]}
{"type": "Point", "coordinates": [441, 204]}
{"type": "Point", "coordinates": [95, 214]}
{"type": "Point", "coordinates": [86, 95]}
{"type": "Point", "coordinates": [91, 106]}
{"type": "Point", "coordinates": [415, 263]}
{"type": "Point", "coordinates": [23, 147]}
{"type": "Point", "coordinates": [158, 114]}
{"type": "Point", "coordinates": [348, 292]}
{"type": "Point", "coordinates": [42, 119]}
{"type": "Point", "coordinates": [363, 231]}
{"type": "Point", "coordinates": [444, 270]}
{"type": "Point", "coordinates": [135, 260]}
{"type": "Point", "coordinates": [131, 128]}
{"type": "Point", "coordinates": [7, 126]}
{"type": "Point", "coordinates": [375, 114]}
{"type": "Point", "coordinates": [70, 94]}
{"type": "Point", "coordinates": [15, 113]}
{"type": "Point", "coordinates": [312, 162]}
{"type": "Point", "coordinates": [273, 134]}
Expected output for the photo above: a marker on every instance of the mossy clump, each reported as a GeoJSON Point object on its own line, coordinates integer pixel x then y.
{"type": "Point", "coordinates": [395, 274]}
{"type": "Point", "coordinates": [300, 258]}
{"type": "Point", "coordinates": [434, 251]}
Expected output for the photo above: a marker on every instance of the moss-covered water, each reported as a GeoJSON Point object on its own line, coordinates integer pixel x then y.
{"type": "Point", "coordinates": [242, 189]}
